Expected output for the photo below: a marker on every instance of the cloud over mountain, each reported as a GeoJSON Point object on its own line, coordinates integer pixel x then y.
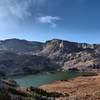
{"type": "Point", "coordinates": [49, 20]}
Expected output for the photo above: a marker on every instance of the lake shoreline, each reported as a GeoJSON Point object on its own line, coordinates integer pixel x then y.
{"type": "Point", "coordinates": [80, 88]}
{"type": "Point", "coordinates": [37, 80]}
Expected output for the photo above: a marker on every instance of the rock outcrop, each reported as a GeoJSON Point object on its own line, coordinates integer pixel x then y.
{"type": "Point", "coordinates": [21, 56]}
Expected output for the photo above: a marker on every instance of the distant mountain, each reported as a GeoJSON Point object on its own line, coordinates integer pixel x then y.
{"type": "Point", "coordinates": [20, 46]}
{"type": "Point", "coordinates": [21, 56]}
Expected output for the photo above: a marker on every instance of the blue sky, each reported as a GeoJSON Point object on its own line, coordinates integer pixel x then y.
{"type": "Point", "coordinates": [41, 20]}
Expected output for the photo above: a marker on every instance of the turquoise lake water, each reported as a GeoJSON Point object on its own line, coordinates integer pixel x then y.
{"type": "Point", "coordinates": [37, 80]}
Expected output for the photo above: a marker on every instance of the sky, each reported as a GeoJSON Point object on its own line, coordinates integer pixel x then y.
{"type": "Point", "coordinates": [41, 20]}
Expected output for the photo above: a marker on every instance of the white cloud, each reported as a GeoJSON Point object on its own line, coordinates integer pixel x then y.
{"type": "Point", "coordinates": [18, 9]}
{"type": "Point", "coordinates": [13, 11]}
{"type": "Point", "coordinates": [49, 20]}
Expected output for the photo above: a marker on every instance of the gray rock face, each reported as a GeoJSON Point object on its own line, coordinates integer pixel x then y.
{"type": "Point", "coordinates": [15, 64]}
{"type": "Point", "coordinates": [20, 46]}
{"type": "Point", "coordinates": [21, 56]}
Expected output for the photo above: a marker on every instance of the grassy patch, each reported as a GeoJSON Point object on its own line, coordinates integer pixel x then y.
{"type": "Point", "coordinates": [89, 74]}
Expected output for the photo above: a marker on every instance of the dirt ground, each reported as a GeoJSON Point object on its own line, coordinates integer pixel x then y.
{"type": "Point", "coordinates": [80, 88]}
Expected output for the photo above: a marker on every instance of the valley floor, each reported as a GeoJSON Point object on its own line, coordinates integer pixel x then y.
{"type": "Point", "coordinates": [80, 88]}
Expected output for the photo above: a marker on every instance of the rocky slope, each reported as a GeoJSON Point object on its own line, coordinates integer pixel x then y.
{"type": "Point", "coordinates": [15, 64]}
{"type": "Point", "coordinates": [21, 56]}
{"type": "Point", "coordinates": [73, 56]}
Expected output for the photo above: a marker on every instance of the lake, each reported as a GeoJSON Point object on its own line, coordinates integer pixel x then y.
{"type": "Point", "coordinates": [37, 80]}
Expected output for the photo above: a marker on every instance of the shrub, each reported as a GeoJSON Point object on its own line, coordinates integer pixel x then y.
{"type": "Point", "coordinates": [4, 96]}
{"type": "Point", "coordinates": [89, 74]}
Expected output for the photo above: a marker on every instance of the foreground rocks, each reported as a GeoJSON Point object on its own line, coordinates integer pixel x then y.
{"type": "Point", "coordinates": [80, 88]}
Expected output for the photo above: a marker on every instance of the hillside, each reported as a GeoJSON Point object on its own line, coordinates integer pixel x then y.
{"type": "Point", "coordinates": [21, 56]}
{"type": "Point", "coordinates": [80, 88]}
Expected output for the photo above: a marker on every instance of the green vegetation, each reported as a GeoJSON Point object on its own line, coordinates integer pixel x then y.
{"type": "Point", "coordinates": [41, 94]}
{"type": "Point", "coordinates": [89, 74]}
{"type": "Point", "coordinates": [14, 91]}
{"type": "Point", "coordinates": [4, 96]}
{"type": "Point", "coordinates": [64, 80]}
{"type": "Point", "coordinates": [11, 93]}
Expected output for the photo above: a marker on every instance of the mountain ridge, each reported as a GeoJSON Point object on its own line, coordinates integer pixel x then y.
{"type": "Point", "coordinates": [22, 56]}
